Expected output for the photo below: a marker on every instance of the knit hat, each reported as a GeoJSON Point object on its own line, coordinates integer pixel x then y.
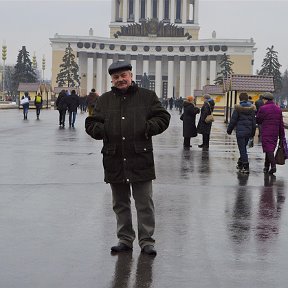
{"type": "Point", "coordinates": [268, 96]}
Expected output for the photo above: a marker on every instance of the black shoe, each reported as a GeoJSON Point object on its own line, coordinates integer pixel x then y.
{"type": "Point", "coordinates": [245, 168]}
{"type": "Point", "coordinates": [149, 250]}
{"type": "Point", "coordinates": [200, 146]}
{"type": "Point", "coordinates": [121, 247]}
{"type": "Point", "coordinates": [265, 170]}
{"type": "Point", "coordinates": [272, 170]}
{"type": "Point", "coordinates": [239, 165]}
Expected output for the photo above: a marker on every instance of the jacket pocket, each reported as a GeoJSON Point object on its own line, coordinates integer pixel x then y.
{"type": "Point", "coordinates": [143, 147]}
{"type": "Point", "coordinates": [109, 149]}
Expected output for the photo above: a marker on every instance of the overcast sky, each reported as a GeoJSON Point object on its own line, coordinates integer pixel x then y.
{"type": "Point", "coordinates": [32, 23]}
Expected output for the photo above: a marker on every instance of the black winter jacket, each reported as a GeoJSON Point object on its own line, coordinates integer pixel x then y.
{"type": "Point", "coordinates": [126, 122]}
{"type": "Point", "coordinates": [243, 118]}
{"type": "Point", "coordinates": [188, 117]}
{"type": "Point", "coordinates": [207, 109]}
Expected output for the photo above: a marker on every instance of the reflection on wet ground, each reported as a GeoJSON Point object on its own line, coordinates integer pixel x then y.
{"type": "Point", "coordinates": [214, 226]}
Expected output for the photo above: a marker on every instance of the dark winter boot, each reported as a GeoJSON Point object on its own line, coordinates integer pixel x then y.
{"type": "Point", "coordinates": [245, 168]}
{"type": "Point", "coordinates": [272, 170]}
{"type": "Point", "coordinates": [239, 165]}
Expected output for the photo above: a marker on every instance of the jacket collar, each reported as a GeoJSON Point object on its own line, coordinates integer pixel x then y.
{"type": "Point", "coordinates": [131, 89]}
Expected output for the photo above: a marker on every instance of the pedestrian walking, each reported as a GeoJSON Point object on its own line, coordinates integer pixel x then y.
{"type": "Point", "coordinates": [61, 104]}
{"type": "Point", "coordinates": [92, 101]}
{"type": "Point", "coordinates": [38, 101]}
{"type": "Point", "coordinates": [243, 119]}
{"type": "Point", "coordinates": [203, 127]}
{"type": "Point", "coordinates": [189, 117]}
{"type": "Point", "coordinates": [125, 119]}
{"type": "Point", "coordinates": [258, 104]}
{"type": "Point", "coordinates": [25, 104]}
{"type": "Point", "coordinates": [270, 118]}
{"type": "Point", "coordinates": [73, 101]}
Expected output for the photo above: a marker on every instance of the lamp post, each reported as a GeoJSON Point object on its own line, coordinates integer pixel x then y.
{"type": "Point", "coordinates": [43, 69]}
{"type": "Point", "coordinates": [4, 57]}
{"type": "Point", "coordinates": [34, 62]}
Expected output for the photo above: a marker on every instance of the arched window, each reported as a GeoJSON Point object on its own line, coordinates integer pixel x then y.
{"type": "Point", "coordinates": [166, 9]}
{"type": "Point", "coordinates": [155, 9]}
{"type": "Point", "coordinates": [131, 10]}
{"type": "Point", "coordinates": [143, 8]}
{"type": "Point", "coordinates": [178, 10]}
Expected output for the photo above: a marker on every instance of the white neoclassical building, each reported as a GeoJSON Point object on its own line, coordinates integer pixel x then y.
{"type": "Point", "coordinates": [159, 38]}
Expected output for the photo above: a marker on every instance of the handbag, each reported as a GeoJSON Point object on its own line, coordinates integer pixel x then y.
{"type": "Point", "coordinates": [209, 118]}
{"type": "Point", "coordinates": [280, 154]}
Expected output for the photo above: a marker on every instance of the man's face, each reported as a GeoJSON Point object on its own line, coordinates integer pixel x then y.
{"type": "Point", "coordinates": [122, 79]}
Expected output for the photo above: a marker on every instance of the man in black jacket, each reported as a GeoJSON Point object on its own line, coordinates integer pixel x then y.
{"type": "Point", "coordinates": [125, 119]}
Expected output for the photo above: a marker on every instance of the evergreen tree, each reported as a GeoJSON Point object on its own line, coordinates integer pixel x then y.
{"type": "Point", "coordinates": [23, 71]}
{"type": "Point", "coordinates": [226, 69]}
{"type": "Point", "coordinates": [283, 95]}
{"type": "Point", "coordinates": [270, 67]}
{"type": "Point", "coordinates": [68, 75]}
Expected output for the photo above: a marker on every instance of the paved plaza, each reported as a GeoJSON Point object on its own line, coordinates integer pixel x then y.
{"type": "Point", "coordinates": [215, 228]}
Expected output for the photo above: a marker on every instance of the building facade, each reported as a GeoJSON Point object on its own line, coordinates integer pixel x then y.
{"type": "Point", "coordinates": [160, 39]}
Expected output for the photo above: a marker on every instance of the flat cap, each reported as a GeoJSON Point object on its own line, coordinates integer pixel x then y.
{"type": "Point", "coordinates": [268, 96]}
{"type": "Point", "coordinates": [119, 66]}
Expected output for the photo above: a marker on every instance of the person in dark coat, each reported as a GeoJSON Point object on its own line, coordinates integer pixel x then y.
{"type": "Point", "coordinates": [270, 118]}
{"type": "Point", "coordinates": [125, 119]}
{"type": "Point", "coordinates": [61, 104]}
{"type": "Point", "coordinates": [243, 119]}
{"type": "Point", "coordinates": [258, 104]}
{"type": "Point", "coordinates": [92, 101]}
{"type": "Point", "coordinates": [203, 127]}
{"type": "Point", "coordinates": [188, 117]}
{"type": "Point", "coordinates": [73, 101]}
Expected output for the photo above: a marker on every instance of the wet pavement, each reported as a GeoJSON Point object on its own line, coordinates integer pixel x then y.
{"type": "Point", "coordinates": [214, 227]}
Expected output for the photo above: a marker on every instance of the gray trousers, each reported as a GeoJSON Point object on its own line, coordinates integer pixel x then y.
{"type": "Point", "coordinates": [142, 194]}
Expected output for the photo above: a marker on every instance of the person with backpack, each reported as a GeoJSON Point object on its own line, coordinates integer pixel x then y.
{"type": "Point", "coordinates": [38, 104]}
{"type": "Point", "coordinates": [73, 101]}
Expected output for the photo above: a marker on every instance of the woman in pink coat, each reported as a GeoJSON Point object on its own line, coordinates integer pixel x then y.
{"type": "Point", "coordinates": [271, 119]}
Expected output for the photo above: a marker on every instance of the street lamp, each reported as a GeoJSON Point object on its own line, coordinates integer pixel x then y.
{"type": "Point", "coordinates": [4, 57]}
{"type": "Point", "coordinates": [43, 69]}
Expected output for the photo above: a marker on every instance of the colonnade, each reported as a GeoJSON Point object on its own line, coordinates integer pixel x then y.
{"type": "Point", "coordinates": [180, 11]}
{"type": "Point", "coordinates": [183, 74]}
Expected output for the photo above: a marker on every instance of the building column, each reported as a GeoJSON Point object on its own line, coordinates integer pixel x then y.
{"type": "Point", "coordinates": [193, 76]}
{"type": "Point", "coordinates": [184, 12]}
{"type": "Point", "coordinates": [125, 11]}
{"type": "Point", "coordinates": [149, 9]}
{"type": "Point", "coordinates": [134, 66]}
{"type": "Point", "coordinates": [182, 82]}
{"type": "Point", "coordinates": [161, 10]}
{"type": "Point", "coordinates": [172, 11]}
{"type": "Point", "coordinates": [146, 64]}
{"type": "Point", "coordinates": [203, 74]}
{"type": "Point", "coordinates": [108, 78]}
{"type": "Point", "coordinates": [90, 73]}
{"type": "Point", "coordinates": [94, 70]}
{"type": "Point", "coordinates": [170, 76]}
{"type": "Point", "coordinates": [99, 73]}
{"type": "Point", "coordinates": [113, 10]}
{"type": "Point", "coordinates": [158, 76]}
{"type": "Point", "coordinates": [137, 11]}
{"type": "Point", "coordinates": [212, 72]}
{"type": "Point", "coordinates": [83, 69]}
{"type": "Point", "coordinates": [195, 11]}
